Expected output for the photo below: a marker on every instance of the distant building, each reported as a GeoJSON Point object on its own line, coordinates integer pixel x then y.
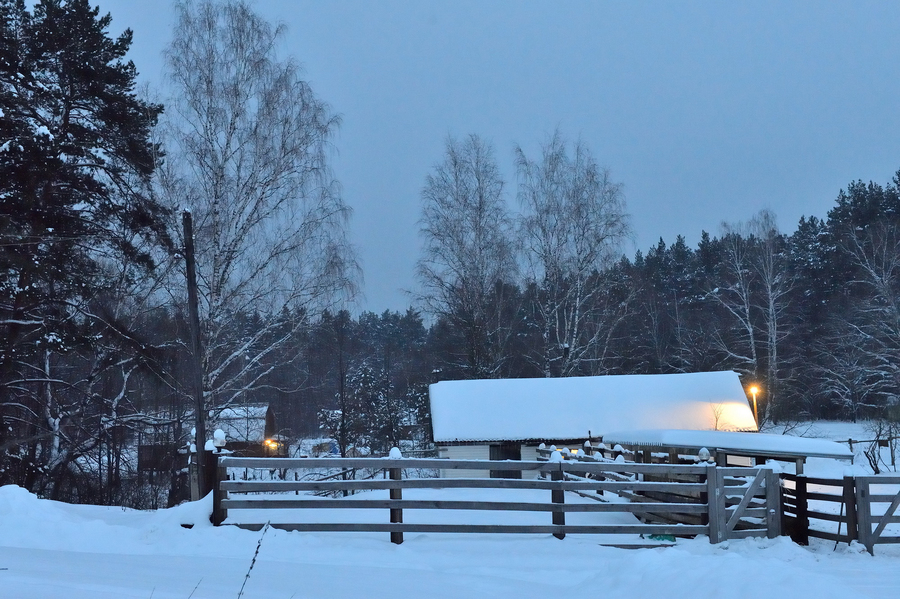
{"type": "Point", "coordinates": [250, 430]}
{"type": "Point", "coordinates": [508, 418]}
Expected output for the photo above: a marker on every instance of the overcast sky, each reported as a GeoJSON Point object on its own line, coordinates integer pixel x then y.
{"type": "Point", "coordinates": [705, 111]}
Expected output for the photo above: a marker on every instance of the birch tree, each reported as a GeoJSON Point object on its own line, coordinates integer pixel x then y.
{"type": "Point", "coordinates": [248, 154]}
{"type": "Point", "coordinates": [754, 290]}
{"type": "Point", "coordinates": [573, 225]}
{"type": "Point", "coordinates": [468, 254]}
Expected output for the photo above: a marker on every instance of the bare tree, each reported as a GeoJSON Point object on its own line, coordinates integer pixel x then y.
{"type": "Point", "coordinates": [248, 154]}
{"type": "Point", "coordinates": [573, 226]}
{"type": "Point", "coordinates": [874, 251]}
{"type": "Point", "coordinates": [754, 290]}
{"type": "Point", "coordinates": [469, 253]}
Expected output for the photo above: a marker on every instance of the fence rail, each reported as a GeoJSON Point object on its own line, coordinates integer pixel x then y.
{"type": "Point", "coordinates": [732, 499]}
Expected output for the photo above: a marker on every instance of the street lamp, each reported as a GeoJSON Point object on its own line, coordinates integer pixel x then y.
{"type": "Point", "coordinates": [753, 391]}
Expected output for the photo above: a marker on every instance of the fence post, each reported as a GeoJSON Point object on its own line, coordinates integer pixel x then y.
{"type": "Point", "coordinates": [558, 496]}
{"type": "Point", "coordinates": [221, 474]}
{"type": "Point", "coordinates": [801, 531]}
{"type": "Point", "coordinates": [863, 514]}
{"type": "Point", "coordinates": [773, 504]}
{"type": "Point", "coordinates": [716, 500]}
{"type": "Point", "coordinates": [396, 513]}
{"type": "Point", "coordinates": [849, 493]}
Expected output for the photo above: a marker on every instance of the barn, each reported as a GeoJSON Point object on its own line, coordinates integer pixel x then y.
{"type": "Point", "coordinates": [508, 418]}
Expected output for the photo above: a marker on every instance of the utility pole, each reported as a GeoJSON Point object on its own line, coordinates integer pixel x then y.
{"type": "Point", "coordinates": [197, 361]}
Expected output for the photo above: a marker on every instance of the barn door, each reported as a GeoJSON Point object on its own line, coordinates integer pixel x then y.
{"type": "Point", "coordinates": [506, 451]}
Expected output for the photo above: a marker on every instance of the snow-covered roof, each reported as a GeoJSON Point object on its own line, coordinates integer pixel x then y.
{"type": "Point", "coordinates": [738, 443]}
{"type": "Point", "coordinates": [242, 423]}
{"type": "Point", "coordinates": [568, 408]}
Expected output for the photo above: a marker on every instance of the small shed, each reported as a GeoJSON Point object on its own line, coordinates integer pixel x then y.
{"type": "Point", "coordinates": [250, 430]}
{"type": "Point", "coordinates": [509, 418]}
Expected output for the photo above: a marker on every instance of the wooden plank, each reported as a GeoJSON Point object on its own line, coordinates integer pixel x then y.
{"type": "Point", "coordinates": [441, 464]}
{"type": "Point", "coordinates": [880, 479]}
{"type": "Point", "coordinates": [238, 486]}
{"type": "Point", "coordinates": [415, 504]}
{"type": "Point", "coordinates": [646, 529]}
{"type": "Point", "coordinates": [739, 510]}
{"type": "Point", "coordinates": [878, 498]}
{"type": "Point", "coordinates": [825, 482]}
{"type": "Point", "coordinates": [739, 472]}
{"type": "Point", "coordinates": [825, 516]}
{"type": "Point", "coordinates": [812, 495]}
{"type": "Point", "coordinates": [888, 540]}
{"type": "Point", "coordinates": [828, 536]}
{"type": "Point", "coordinates": [750, 512]}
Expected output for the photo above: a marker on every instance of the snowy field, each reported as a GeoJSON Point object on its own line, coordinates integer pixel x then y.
{"type": "Point", "coordinates": [50, 549]}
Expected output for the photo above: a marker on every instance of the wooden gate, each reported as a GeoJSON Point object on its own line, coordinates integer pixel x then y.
{"type": "Point", "coordinates": [866, 499]}
{"type": "Point", "coordinates": [746, 496]}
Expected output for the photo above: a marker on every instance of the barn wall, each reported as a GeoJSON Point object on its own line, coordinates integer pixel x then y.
{"type": "Point", "coordinates": [480, 452]}
{"type": "Point", "coordinates": [464, 452]}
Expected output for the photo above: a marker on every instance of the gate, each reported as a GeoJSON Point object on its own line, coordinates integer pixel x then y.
{"type": "Point", "coordinates": [867, 498]}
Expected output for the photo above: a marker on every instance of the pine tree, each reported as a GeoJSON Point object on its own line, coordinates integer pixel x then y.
{"type": "Point", "coordinates": [75, 165]}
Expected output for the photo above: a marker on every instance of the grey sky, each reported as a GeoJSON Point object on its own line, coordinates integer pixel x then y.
{"type": "Point", "coordinates": [706, 111]}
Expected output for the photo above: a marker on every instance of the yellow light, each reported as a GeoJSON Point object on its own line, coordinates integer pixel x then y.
{"type": "Point", "coordinates": [271, 443]}
{"type": "Point", "coordinates": [574, 452]}
{"type": "Point", "coordinates": [753, 391]}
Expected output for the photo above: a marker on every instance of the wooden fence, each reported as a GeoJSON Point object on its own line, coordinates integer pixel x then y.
{"type": "Point", "coordinates": [853, 500]}
{"type": "Point", "coordinates": [865, 500]}
{"type": "Point", "coordinates": [801, 521]}
{"type": "Point", "coordinates": [720, 506]}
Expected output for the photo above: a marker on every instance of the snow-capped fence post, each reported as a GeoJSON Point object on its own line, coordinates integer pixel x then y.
{"type": "Point", "coordinates": [396, 495]}
{"type": "Point", "coordinates": [218, 512]}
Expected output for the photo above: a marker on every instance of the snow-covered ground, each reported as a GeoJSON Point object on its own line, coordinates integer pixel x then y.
{"type": "Point", "coordinates": [49, 549]}
{"type": "Point", "coordinates": [840, 432]}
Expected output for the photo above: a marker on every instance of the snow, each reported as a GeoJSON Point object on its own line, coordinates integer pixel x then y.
{"type": "Point", "coordinates": [748, 442]}
{"type": "Point", "coordinates": [50, 549]}
{"type": "Point", "coordinates": [570, 407]}
{"type": "Point", "coordinates": [395, 453]}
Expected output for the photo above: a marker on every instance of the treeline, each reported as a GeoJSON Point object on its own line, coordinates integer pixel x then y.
{"type": "Point", "coordinates": [95, 353]}
{"type": "Point", "coordinates": [812, 317]}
